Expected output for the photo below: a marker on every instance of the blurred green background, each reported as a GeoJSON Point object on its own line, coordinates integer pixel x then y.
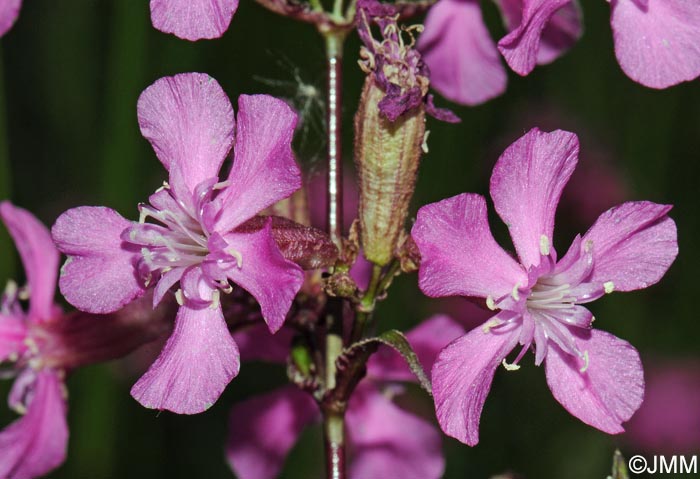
{"type": "Point", "coordinates": [72, 71]}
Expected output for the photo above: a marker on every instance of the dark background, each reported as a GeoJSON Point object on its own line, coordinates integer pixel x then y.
{"type": "Point", "coordinates": [71, 73]}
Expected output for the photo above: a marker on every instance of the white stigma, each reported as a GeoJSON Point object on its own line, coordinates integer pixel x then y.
{"type": "Point", "coordinates": [609, 287]}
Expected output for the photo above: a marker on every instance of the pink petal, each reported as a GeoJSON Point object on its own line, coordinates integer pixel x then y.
{"type": "Point", "coordinates": [9, 10]}
{"type": "Point", "coordinates": [265, 273]}
{"type": "Point", "coordinates": [609, 391]}
{"type": "Point", "coordinates": [633, 245]}
{"type": "Point", "coordinates": [462, 378]}
{"type": "Point", "coordinates": [459, 254]}
{"type": "Point", "coordinates": [99, 275]}
{"type": "Point", "coordinates": [256, 343]}
{"type": "Point", "coordinates": [39, 257]}
{"type": "Point", "coordinates": [387, 442]}
{"type": "Point", "coordinates": [526, 184]}
{"type": "Point", "coordinates": [193, 19]}
{"type": "Point", "coordinates": [264, 170]}
{"type": "Point", "coordinates": [13, 332]}
{"type": "Point", "coordinates": [560, 33]}
{"type": "Point", "coordinates": [195, 366]}
{"type": "Point", "coordinates": [189, 121]}
{"type": "Point", "coordinates": [521, 46]}
{"type": "Point", "coordinates": [658, 44]}
{"type": "Point", "coordinates": [263, 429]}
{"type": "Point", "coordinates": [465, 66]}
{"type": "Point", "coordinates": [36, 443]}
{"type": "Point", "coordinates": [426, 339]}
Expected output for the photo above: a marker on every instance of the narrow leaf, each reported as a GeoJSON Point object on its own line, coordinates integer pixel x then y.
{"type": "Point", "coordinates": [397, 341]}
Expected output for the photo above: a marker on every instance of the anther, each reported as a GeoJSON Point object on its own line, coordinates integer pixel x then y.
{"type": "Point", "coordinates": [544, 245]}
{"type": "Point", "coordinates": [509, 366]}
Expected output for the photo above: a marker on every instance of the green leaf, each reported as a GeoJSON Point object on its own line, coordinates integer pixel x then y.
{"type": "Point", "coordinates": [397, 341]}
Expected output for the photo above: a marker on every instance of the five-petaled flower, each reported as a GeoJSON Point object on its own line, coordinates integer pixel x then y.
{"type": "Point", "coordinates": [594, 375]}
{"type": "Point", "coordinates": [41, 344]}
{"type": "Point", "coordinates": [193, 239]}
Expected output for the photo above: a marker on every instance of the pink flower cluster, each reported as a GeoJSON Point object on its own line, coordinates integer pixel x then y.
{"type": "Point", "coordinates": [656, 42]}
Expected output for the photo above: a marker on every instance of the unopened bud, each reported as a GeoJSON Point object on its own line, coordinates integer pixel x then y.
{"type": "Point", "coordinates": [387, 155]}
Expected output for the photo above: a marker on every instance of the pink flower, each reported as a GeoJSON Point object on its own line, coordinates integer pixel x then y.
{"type": "Point", "coordinates": [193, 19]}
{"type": "Point", "coordinates": [42, 344]}
{"type": "Point", "coordinates": [594, 375]}
{"type": "Point", "coordinates": [656, 41]}
{"type": "Point", "coordinates": [383, 439]}
{"type": "Point", "coordinates": [9, 10]}
{"type": "Point", "coordinates": [193, 240]}
{"type": "Point", "coordinates": [465, 65]}
{"type": "Point", "coordinates": [36, 442]}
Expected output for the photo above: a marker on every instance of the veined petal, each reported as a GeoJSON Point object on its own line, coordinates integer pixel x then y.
{"type": "Point", "coordinates": [193, 19]}
{"type": "Point", "coordinates": [427, 340]}
{"type": "Point", "coordinates": [521, 46]}
{"type": "Point", "coordinates": [609, 391]}
{"type": "Point", "coordinates": [386, 441]}
{"type": "Point", "coordinates": [526, 185]}
{"type": "Point", "coordinates": [263, 429]}
{"type": "Point", "coordinates": [657, 43]}
{"type": "Point", "coordinates": [36, 443]}
{"type": "Point", "coordinates": [188, 119]}
{"type": "Point", "coordinates": [462, 377]}
{"type": "Point", "coordinates": [9, 10]}
{"type": "Point", "coordinates": [459, 256]}
{"type": "Point", "coordinates": [465, 66]}
{"type": "Point", "coordinates": [39, 257]}
{"type": "Point", "coordinates": [560, 33]}
{"type": "Point", "coordinates": [265, 273]}
{"type": "Point", "coordinates": [195, 366]}
{"type": "Point", "coordinates": [634, 244]}
{"type": "Point", "coordinates": [264, 170]}
{"type": "Point", "coordinates": [99, 275]}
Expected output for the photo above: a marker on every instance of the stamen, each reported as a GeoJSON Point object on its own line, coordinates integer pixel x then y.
{"type": "Point", "coordinates": [179, 298]}
{"type": "Point", "coordinates": [215, 299]}
{"type": "Point", "coordinates": [490, 324]}
{"type": "Point", "coordinates": [514, 293]}
{"type": "Point", "coordinates": [510, 367]}
{"type": "Point", "coordinates": [585, 361]}
{"type": "Point", "coordinates": [544, 245]}
{"type": "Point", "coordinates": [237, 255]}
{"type": "Point", "coordinates": [609, 287]}
{"type": "Point", "coordinates": [490, 303]}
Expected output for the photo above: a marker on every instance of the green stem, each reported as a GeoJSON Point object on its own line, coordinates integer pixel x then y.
{"type": "Point", "coordinates": [333, 419]}
{"type": "Point", "coordinates": [334, 439]}
{"type": "Point", "coordinates": [366, 306]}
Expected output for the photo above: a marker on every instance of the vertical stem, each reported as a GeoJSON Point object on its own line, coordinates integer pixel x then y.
{"type": "Point", "coordinates": [333, 420]}
{"type": "Point", "coordinates": [334, 54]}
{"type": "Point", "coordinates": [333, 436]}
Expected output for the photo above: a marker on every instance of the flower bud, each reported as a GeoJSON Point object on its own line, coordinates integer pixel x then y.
{"type": "Point", "coordinates": [387, 155]}
{"type": "Point", "coordinates": [389, 127]}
